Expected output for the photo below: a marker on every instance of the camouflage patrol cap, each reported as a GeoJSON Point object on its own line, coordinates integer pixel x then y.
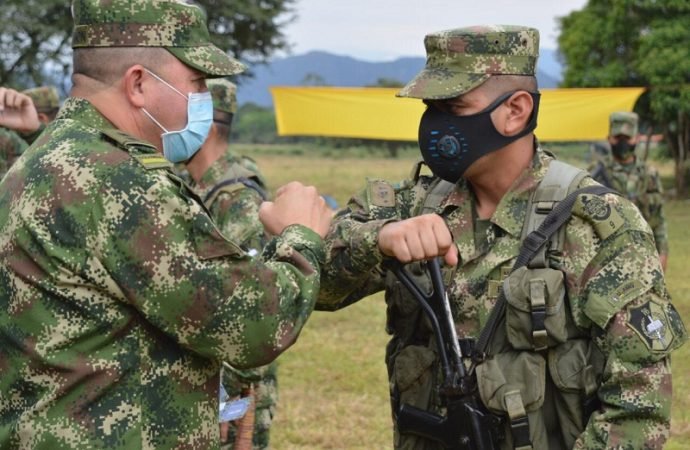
{"type": "Point", "coordinates": [175, 25]}
{"type": "Point", "coordinates": [624, 123]}
{"type": "Point", "coordinates": [224, 94]}
{"type": "Point", "coordinates": [45, 98]}
{"type": "Point", "coordinates": [461, 59]}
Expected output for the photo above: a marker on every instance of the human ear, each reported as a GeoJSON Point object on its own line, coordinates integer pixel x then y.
{"type": "Point", "coordinates": [133, 85]}
{"type": "Point", "coordinates": [519, 110]}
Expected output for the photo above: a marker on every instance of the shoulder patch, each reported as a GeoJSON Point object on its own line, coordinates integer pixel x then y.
{"type": "Point", "coordinates": [657, 325]}
{"type": "Point", "coordinates": [603, 216]}
{"type": "Point", "coordinates": [381, 193]}
{"type": "Point", "coordinates": [153, 161]}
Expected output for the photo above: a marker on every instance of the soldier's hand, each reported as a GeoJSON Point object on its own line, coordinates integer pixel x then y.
{"type": "Point", "coordinates": [418, 238]}
{"type": "Point", "coordinates": [17, 111]}
{"type": "Point", "coordinates": [295, 203]}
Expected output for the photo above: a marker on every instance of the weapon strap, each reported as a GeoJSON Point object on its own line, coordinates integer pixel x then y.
{"type": "Point", "coordinates": [530, 247]}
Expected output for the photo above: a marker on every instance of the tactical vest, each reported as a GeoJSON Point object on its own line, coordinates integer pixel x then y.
{"type": "Point", "coordinates": [243, 179]}
{"type": "Point", "coordinates": [542, 375]}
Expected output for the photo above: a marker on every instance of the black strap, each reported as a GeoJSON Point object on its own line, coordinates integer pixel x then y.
{"type": "Point", "coordinates": [248, 182]}
{"type": "Point", "coordinates": [530, 246]}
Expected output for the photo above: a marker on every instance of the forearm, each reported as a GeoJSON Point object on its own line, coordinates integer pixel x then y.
{"type": "Point", "coordinates": [351, 271]}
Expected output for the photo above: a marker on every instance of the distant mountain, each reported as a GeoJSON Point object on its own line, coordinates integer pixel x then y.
{"type": "Point", "coordinates": [335, 70]}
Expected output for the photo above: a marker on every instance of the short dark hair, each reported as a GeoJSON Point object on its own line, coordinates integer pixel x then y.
{"type": "Point", "coordinates": [108, 64]}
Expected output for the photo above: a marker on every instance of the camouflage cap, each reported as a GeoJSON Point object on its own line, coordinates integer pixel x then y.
{"type": "Point", "coordinates": [461, 59]}
{"type": "Point", "coordinates": [175, 25]}
{"type": "Point", "coordinates": [224, 94]}
{"type": "Point", "coordinates": [45, 98]}
{"type": "Point", "coordinates": [624, 123]}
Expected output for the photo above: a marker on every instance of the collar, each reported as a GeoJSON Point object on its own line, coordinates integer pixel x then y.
{"type": "Point", "coordinates": [510, 214]}
{"type": "Point", "coordinates": [81, 110]}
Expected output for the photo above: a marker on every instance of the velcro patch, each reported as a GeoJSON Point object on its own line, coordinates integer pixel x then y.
{"type": "Point", "coordinates": [604, 217]}
{"type": "Point", "coordinates": [626, 292]}
{"type": "Point", "coordinates": [381, 194]}
{"type": "Point", "coordinates": [651, 323]}
{"type": "Point", "coordinates": [153, 161]}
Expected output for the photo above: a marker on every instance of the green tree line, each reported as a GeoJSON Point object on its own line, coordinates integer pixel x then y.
{"type": "Point", "coordinates": [637, 43]}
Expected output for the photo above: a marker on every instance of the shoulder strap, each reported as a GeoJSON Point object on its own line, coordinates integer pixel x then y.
{"type": "Point", "coordinates": [532, 244]}
{"type": "Point", "coordinates": [437, 192]}
{"type": "Point", "coordinates": [559, 181]}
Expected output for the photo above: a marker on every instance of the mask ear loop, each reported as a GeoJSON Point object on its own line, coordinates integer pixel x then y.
{"type": "Point", "coordinates": [154, 120]}
{"type": "Point", "coordinates": [166, 83]}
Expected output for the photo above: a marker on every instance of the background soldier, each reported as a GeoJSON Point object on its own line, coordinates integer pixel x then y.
{"type": "Point", "coordinates": [595, 372]}
{"type": "Point", "coordinates": [232, 188]}
{"type": "Point", "coordinates": [17, 116]}
{"type": "Point", "coordinates": [46, 101]}
{"type": "Point", "coordinates": [633, 177]}
{"type": "Point", "coordinates": [120, 297]}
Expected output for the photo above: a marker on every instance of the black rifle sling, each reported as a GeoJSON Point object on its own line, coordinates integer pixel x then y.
{"type": "Point", "coordinates": [530, 246]}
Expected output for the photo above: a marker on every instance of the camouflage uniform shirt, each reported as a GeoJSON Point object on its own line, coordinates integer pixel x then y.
{"type": "Point", "coordinates": [233, 189]}
{"type": "Point", "coordinates": [640, 183]}
{"type": "Point", "coordinates": [120, 298]}
{"type": "Point", "coordinates": [11, 146]}
{"type": "Point", "coordinates": [610, 271]}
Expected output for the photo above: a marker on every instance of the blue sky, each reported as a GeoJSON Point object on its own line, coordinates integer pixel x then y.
{"type": "Point", "coordinates": [381, 30]}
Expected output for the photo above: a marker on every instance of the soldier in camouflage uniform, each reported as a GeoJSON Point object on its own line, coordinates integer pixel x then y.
{"type": "Point", "coordinates": [120, 298]}
{"type": "Point", "coordinates": [596, 373]}
{"type": "Point", "coordinates": [46, 101]}
{"type": "Point", "coordinates": [632, 177]}
{"type": "Point", "coordinates": [11, 146]}
{"type": "Point", "coordinates": [232, 189]}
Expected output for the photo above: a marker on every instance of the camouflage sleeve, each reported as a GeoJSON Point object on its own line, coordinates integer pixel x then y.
{"type": "Point", "coordinates": [169, 261]}
{"type": "Point", "coordinates": [622, 297]}
{"type": "Point", "coordinates": [236, 214]}
{"type": "Point", "coordinates": [351, 271]}
{"type": "Point", "coordinates": [32, 136]}
{"type": "Point", "coordinates": [655, 211]}
{"type": "Point", "coordinates": [11, 146]}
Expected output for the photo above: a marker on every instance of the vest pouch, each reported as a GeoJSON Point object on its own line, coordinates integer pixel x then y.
{"type": "Point", "coordinates": [574, 376]}
{"type": "Point", "coordinates": [413, 375]}
{"type": "Point", "coordinates": [512, 384]}
{"type": "Point", "coordinates": [536, 310]}
{"type": "Point", "coordinates": [405, 318]}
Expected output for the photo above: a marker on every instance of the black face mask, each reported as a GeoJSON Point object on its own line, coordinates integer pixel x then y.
{"type": "Point", "coordinates": [450, 144]}
{"type": "Point", "coordinates": [622, 149]}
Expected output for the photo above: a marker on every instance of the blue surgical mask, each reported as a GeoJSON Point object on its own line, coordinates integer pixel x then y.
{"type": "Point", "coordinates": [181, 145]}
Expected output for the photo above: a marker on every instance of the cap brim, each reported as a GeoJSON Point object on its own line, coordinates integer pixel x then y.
{"type": "Point", "coordinates": [435, 84]}
{"type": "Point", "coordinates": [208, 59]}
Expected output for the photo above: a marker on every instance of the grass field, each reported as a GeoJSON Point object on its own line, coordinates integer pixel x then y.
{"type": "Point", "coordinates": [333, 386]}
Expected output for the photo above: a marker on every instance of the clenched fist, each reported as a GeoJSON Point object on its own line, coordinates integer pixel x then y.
{"type": "Point", "coordinates": [295, 203]}
{"type": "Point", "coordinates": [418, 238]}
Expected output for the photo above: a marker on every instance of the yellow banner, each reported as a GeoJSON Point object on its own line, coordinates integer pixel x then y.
{"type": "Point", "coordinates": [375, 113]}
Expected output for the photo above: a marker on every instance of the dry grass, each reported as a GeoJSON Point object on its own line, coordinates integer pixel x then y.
{"type": "Point", "coordinates": [333, 385]}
